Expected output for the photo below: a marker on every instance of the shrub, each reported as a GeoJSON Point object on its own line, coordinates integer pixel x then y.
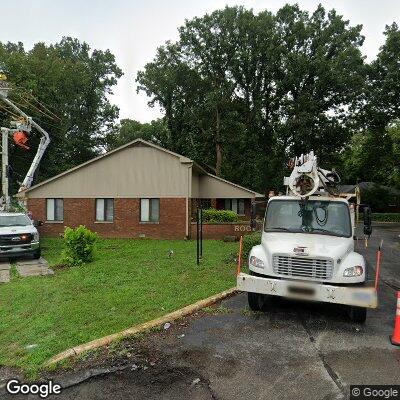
{"type": "Point", "coordinates": [378, 198]}
{"type": "Point", "coordinates": [213, 215]}
{"type": "Point", "coordinates": [385, 217]}
{"type": "Point", "coordinates": [78, 246]}
{"type": "Point", "coordinates": [248, 242]}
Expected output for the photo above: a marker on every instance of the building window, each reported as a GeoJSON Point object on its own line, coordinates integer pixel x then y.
{"type": "Point", "coordinates": [54, 209]}
{"type": "Point", "coordinates": [105, 210]}
{"type": "Point", "coordinates": [236, 205]}
{"type": "Point", "coordinates": [205, 203]}
{"type": "Point", "coordinates": [149, 210]}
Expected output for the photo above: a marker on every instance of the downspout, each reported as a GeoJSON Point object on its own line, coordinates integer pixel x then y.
{"type": "Point", "coordinates": [189, 193]}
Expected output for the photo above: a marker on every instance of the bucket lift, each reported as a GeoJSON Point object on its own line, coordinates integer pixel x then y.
{"type": "Point", "coordinates": [307, 178]}
{"type": "Point", "coordinates": [20, 130]}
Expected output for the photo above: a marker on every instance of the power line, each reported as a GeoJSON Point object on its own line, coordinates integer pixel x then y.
{"type": "Point", "coordinates": [33, 106]}
{"type": "Point", "coordinates": [9, 112]}
{"type": "Point", "coordinates": [26, 93]}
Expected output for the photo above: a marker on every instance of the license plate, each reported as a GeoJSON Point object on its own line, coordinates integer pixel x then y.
{"type": "Point", "coordinates": [301, 290]}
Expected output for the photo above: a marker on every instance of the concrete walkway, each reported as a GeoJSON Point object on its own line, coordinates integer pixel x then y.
{"type": "Point", "coordinates": [33, 267]}
{"type": "Point", "coordinates": [5, 272]}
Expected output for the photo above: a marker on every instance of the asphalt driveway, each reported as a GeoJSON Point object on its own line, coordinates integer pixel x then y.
{"type": "Point", "coordinates": [293, 351]}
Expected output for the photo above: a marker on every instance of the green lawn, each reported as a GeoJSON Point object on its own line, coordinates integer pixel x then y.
{"type": "Point", "coordinates": [130, 281]}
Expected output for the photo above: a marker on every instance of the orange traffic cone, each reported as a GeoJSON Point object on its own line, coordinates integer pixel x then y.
{"type": "Point", "coordinates": [395, 339]}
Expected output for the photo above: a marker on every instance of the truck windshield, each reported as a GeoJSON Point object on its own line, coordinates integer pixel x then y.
{"type": "Point", "coordinates": [317, 217]}
{"type": "Point", "coordinates": [14, 220]}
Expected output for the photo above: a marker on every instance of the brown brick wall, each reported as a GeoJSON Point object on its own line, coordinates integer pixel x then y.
{"type": "Point", "coordinates": [172, 224]}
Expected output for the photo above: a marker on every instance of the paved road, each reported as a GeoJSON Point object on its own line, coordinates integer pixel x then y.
{"type": "Point", "coordinates": [293, 351]}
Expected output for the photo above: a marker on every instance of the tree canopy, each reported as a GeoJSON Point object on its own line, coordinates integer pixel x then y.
{"type": "Point", "coordinates": [244, 91]}
{"type": "Point", "coordinates": [73, 82]}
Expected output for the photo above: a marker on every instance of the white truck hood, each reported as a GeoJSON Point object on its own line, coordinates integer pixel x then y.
{"type": "Point", "coordinates": [10, 230]}
{"type": "Point", "coordinates": [315, 245]}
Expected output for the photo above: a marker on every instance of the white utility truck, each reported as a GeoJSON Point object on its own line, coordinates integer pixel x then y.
{"type": "Point", "coordinates": [18, 236]}
{"type": "Point", "coordinates": [307, 245]}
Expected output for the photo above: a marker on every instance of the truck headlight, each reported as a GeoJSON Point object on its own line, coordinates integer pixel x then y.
{"type": "Point", "coordinates": [36, 237]}
{"type": "Point", "coordinates": [256, 262]}
{"type": "Point", "coordinates": [353, 271]}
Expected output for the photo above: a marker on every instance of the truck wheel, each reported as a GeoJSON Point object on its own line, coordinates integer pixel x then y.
{"type": "Point", "coordinates": [257, 301]}
{"type": "Point", "coordinates": [358, 314]}
{"type": "Point", "coordinates": [37, 254]}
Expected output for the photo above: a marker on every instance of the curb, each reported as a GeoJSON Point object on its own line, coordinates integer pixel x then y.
{"type": "Point", "coordinates": [106, 340]}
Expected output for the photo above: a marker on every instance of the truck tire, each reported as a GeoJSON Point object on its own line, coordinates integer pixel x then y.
{"type": "Point", "coordinates": [257, 301]}
{"type": "Point", "coordinates": [37, 254]}
{"type": "Point", "coordinates": [358, 314]}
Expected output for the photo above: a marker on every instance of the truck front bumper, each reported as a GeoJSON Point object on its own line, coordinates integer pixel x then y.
{"type": "Point", "coordinates": [19, 250]}
{"type": "Point", "coordinates": [361, 296]}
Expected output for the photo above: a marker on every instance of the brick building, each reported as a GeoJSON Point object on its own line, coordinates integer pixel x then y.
{"type": "Point", "coordinates": [137, 190]}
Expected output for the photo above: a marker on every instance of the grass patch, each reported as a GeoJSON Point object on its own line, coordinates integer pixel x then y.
{"type": "Point", "coordinates": [128, 283]}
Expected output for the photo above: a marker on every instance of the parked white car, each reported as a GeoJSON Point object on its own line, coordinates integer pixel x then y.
{"type": "Point", "coordinates": [18, 236]}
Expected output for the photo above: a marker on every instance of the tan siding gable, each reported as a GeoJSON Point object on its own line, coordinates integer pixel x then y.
{"type": "Point", "coordinates": [212, 187]}
{"type": "Point", "coordinates": [138, 171]}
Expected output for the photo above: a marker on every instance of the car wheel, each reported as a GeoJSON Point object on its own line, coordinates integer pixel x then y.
{"type": "Point", "coordinates": [358, 314]}
{"type": "Point", "coordinates": [37, 254]}
{"type": "Point", "coordinates": [257, 301]}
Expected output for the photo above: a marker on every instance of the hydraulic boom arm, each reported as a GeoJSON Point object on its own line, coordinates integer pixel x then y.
{"type": "Point", "coordinates": [44, 142]}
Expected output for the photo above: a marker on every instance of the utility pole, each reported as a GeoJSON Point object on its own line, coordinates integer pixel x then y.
{"type": "Point", "coordinates": [4, 168]}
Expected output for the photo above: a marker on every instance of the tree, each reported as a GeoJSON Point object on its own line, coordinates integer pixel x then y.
{"type": "Point", "coordinates": [73, 82]}
{"type": "Point", "coordinates": [374, 152]}
{"type": "Point", "coordinates": [128, 130]}
{"type": "Point", "coordinates": [381, 101]}
{"type": "Point", "coordinates": [374, 156]}
{"type": "Point", "coordinates": [244, 91]}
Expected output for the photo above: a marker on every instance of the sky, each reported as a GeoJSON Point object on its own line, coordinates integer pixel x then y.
{"type": "Point", "coordinates": [133, 30]}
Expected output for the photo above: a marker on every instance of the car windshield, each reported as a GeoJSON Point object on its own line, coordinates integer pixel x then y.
{"type": "Point", "coordinates": [312, 216]}
{"type": "Point", "coordinates": [15, 220]}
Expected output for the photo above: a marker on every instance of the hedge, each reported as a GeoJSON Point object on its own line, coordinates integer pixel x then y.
{"type": "Point", "coordinates": [213, 215]}
{"type": "Point", "coordinates": [386, 217]}
{"type": "Point", "coordinates": [248, 242]}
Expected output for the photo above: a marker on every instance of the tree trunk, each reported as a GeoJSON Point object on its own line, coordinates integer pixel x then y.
{"type": "Point", "coordinates": [218, 147]}
{"type": "Point", "coordinates": [219, 159]}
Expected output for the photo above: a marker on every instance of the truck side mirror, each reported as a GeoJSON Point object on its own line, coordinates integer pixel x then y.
{"type": "Point", "coordinates": [253, 222]}
{"type": "Point", "coordinates": [37, 223]}
{"type": "Point", "coordinates": [367, 221]}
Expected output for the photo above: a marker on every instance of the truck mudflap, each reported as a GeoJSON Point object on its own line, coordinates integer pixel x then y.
{"type": "Point", "coordinates": [361, 296]}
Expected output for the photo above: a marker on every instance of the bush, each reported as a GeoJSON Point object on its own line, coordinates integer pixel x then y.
{"type": "Point", "coordinates": [248, 242]}
{"type": "Point", "coordinates": [213, 215]}
{"type": "Point", "coordinates": [378, 198]}
{"type": "Point", "coordinates": [78, 246]}
{"type": "Point", "coordinates": [386, 217]}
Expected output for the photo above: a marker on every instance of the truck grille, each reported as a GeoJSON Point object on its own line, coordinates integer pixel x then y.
{"type": "Point", "coordinates": [317, 268]}
{"type": "Point", "coordinates": [15, 239]}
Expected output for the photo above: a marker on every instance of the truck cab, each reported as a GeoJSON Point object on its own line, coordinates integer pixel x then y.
{"type": "Point", "coordinates": [18, 236]}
